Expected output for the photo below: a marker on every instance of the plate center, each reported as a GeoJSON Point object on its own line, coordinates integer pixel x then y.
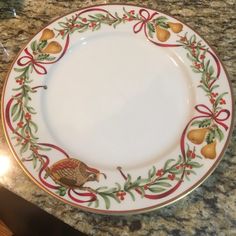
{"type": "Point", "coordinates": [117, 100]}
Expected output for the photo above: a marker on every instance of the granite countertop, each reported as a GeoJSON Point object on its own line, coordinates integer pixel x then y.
{"type": "Point", "coordinates": [211, 208]}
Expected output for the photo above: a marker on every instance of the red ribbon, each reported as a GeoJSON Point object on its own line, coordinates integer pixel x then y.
{"type": "Point", "coordinates": [91, 195]}
{"type": "Point", "coordinates": [54, 147]}
{"type": "Point", "coordinates": [38, 65]}
{"type": "Point", "coordinates": [203, 109]}
{"type": "Point", "coordinates": [29, 60]}
{"type": "Point", "coordinates": [146, 17]}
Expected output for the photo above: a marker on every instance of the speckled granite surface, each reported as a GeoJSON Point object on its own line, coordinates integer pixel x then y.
{"type": "Point", "coordinates": [211, 208]}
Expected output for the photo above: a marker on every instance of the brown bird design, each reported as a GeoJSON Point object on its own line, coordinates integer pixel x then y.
{"type": "Point", "coordinates": [73, 173]}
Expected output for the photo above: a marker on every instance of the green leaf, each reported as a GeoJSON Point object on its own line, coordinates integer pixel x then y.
{"type": "Point", "coordinates": [141, 190]}
{"type": "Point", "coordinates": [156, 189]}
{"type": "Point", "coordinates": [207, 65]}
{"type": "Point", "coordinates": [31, 110]}
{"type": "Point", "coordinates": [42, 44]}
{"type": "Point", "coordinates": [106, 200]}
{"type": "Point", "coordinates": [211, 70]}
{"type": "Point", "coordinates": [180, 158]}
{"type": "Point", "coordinates": [99, 15]}
{"type": "Point", "coordinates": [33, 46]}
{"type": "Point", "coordinates": [152, 172]}
{"type": "Point", "coordinates": [34, 162]}
{"type": "Point", "coordinates": [186, 176]}
{"type": "Point", "coordinates": [214, 87]}
{"type": "Point", "coordinates": [31, 123]}
{"type": "Point", "coordinates": [191, 58]}
{"type": "Point", "coordinates": [192, 39]}
{"type": "Point", "coordinates": [19, 69]}
{"type": "Point", "coordinates": [131, 195]}
{"type": "Point", "coordinates": [128, 182]}
{"type": "Point", "coordinates": [163, 184]}
{"type": "Point", "coordinates": [219, 98]}
{"type": "Point", "coordinates": [210, 136]}
{"type": "Point", "coordinates": [14, 109]}
{"type": "Point", "coordinates": [139, 181]}
{"type": "Point", "coordinates": [115, 198]}
{"type": "Point", "coordinates": [17, 115]}
{"type": "Point", "coordinates": [191, 171]}
{"type": "Point", "coordinates": [176, 171]}
{"type": "Point", "coordinates": [195, 70]}
{"type": "Point", "coordinates": [167, 163]}
{"type": "Point", "coordinates": [196, 122]}
{"type": "Point", "coordinates": [90, 203]}
{"type": "Point", "coordinates": [219, 134]}
{"type": "Point", "coordinates": [205, 123]}
{"type": "Point", "coordinates": [151, 29]}
{"type": "Point", "coordinates": [204, 88]}
{"type": "Point", "coordinates": [163, 25]}
{"type": "Point", "coordinates": [100, 189]}
{"type": "Point", "coordinates": [110, 191]}
{"type": "Point", "coordinates": [160, 19]}
{"type": "Point", "coordinates": [96, 203]}
{"type": "Point", "coordinates": [198, 52]}
{"type": "Point", "coordinates": [195, 164]}
{"type": "Point", "coordinates": [24, 148]}
{"type": "Point", "coordinates": [118, 186]}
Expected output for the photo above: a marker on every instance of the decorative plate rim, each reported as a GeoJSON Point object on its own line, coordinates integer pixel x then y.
{"type": "Point", "coordinates": [122, 212]}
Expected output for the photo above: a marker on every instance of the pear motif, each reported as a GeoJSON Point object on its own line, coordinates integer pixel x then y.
{"type": "Point", "coordinates": [162, 34]}
{"type": "Point", "coordinates": [175, 27]}
{"type": "Point", "coordinates": [197, 136]}
{"type": "Point", "coordinates": [52, 48]}
{"type": "Point", "coordinates": [47, 34]}
{"type": "Point", "coordinates": [209, 151]}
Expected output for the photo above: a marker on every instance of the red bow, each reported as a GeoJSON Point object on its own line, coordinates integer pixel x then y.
{"type": "Point", "coordinates": [29, 59]}
{"type": "Point", "coordinates": [145, 18]}
{"type": "Point", "coordinates": [201, 108]}
{"type": "Point", "coordinates": [41, 70]}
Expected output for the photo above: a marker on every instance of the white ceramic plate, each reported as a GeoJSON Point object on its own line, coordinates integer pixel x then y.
{"type": "Point", "coordinates": [117, 109]}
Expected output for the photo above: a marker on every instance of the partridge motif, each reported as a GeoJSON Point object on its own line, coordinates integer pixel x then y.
{"type": "Point", "coordinates": [72, 173]}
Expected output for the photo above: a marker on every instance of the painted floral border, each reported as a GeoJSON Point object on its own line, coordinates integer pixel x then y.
{"type": "Point", "coordinates": [203, 131]}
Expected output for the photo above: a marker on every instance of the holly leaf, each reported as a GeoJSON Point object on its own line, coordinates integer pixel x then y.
{"type": "Point", "coordinates": [210, 136]}
{"type": "Point", "coordinates": [160, 19]}
{"type": "Point", "coordinates": [205, 123]}
{"type": "Point", "coordinates": [42, 44]}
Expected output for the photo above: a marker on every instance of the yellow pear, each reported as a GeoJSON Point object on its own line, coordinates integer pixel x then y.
{"type": "Point", "coordinates": [175, 27]}
{"type": "Point", "coordinates": [209, 151]}
{"type": "Point", "coordinates": [162, 34]}
{"type": "Point", "coordinates": [197, 136]}
{"type": "Point", "coordinates": [47, 34]}
{"type": "Point", "coordinates": [52, 48]}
